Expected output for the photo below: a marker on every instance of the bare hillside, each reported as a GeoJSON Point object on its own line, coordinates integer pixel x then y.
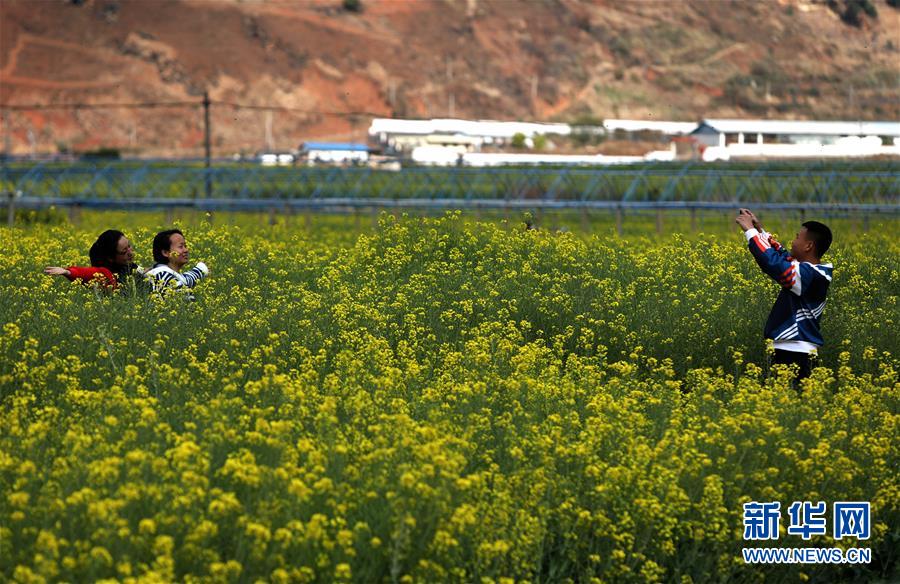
{"type": "Point", "coordinates": [503, 59]}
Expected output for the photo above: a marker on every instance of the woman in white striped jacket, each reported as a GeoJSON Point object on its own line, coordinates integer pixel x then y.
{"type": "Point", "coordinates": [171, 254]}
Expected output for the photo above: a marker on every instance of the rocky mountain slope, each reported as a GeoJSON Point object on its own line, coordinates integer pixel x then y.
{"type": "Point", "coordinates": [328, 68]}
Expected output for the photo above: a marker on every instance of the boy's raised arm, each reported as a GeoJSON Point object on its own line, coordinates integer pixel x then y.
{"type": "Point", "coordinates": [773, 259]}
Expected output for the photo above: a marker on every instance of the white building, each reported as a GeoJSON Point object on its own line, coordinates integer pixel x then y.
{"type": "Point", "coordinates": [517, 159]}
{"type": "Point", "coordinates": [334, 152]}
{"type": "Point", "coordinates": [719, 132]}
{"type": "Point", "coordinates": [727, 139]}
{"type": "Point", "coordinates": [276, 159]}
{"type": "Point", "coordinates": [406, 135]}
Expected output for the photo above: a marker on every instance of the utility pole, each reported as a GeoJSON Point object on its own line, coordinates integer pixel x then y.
{"type": "Point", "coordinates": [7, 149]}
{"type": "Point", "coordinates": [6, 139]}
{"type": "Point", "coordinates": [7, 135]}
{"type": "Point", "coordinates": [270, 142]}
{"type": "Point", "coordinates": [451, 102]}
{"type": "Point", "coordinates": [206, 144]}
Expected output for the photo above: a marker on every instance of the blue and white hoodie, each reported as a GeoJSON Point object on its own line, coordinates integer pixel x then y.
{"type": "Point", "coordinates": [794, 321]}
{"type": "Point", "coordinates": [163, 278]}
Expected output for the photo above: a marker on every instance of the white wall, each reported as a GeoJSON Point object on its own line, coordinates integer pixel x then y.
{"type": "Point", "coordinates": [337, 156]}
{"type": "Point", "coordinates": [502, 159]}
{"type": "Point", "coordinates": [850, 147]}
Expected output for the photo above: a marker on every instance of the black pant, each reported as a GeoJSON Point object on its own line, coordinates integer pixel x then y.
{"type": "Point", "coordinates": [783, 357]}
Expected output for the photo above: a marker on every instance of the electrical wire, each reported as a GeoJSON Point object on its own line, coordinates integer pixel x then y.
{"type": "Point", "coordinates": [233, 105]}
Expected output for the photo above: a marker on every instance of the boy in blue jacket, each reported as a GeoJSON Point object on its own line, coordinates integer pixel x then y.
{"type": "Point", "coordinates": [793, 323]}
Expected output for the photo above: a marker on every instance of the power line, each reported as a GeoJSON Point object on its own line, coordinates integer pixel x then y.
{"type": "Point", "coordinates": [234, 105]}
{"type": "Point", "coordinates": [50, 106]}
{"type": "Point", "coordinates": [294, 109]}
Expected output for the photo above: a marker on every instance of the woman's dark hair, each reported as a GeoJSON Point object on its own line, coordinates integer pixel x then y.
{"type": "Point", "coordinates": [163, 242]}
{"type": "Point", "coordinates": [104, 251]}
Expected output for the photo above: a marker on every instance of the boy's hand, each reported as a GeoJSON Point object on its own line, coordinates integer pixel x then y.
{"type": "Point", "coordinates": [745, 219]}
{"type": "Point", "coordinates": [756, 222]}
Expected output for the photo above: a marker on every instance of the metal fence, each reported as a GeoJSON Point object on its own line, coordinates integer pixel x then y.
{"type": "Point", "coordinates": [868, 187]}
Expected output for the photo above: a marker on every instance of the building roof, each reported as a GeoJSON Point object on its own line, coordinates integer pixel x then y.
{"type": "Point", "coordinates": [339, 146]}
{"type": "Point", "coordinates": [480, 128]}
{"type": "Point", "coordinates": [796, 127]}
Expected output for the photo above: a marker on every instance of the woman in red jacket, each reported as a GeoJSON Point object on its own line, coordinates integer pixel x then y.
{"type": "Point", "coordinates": [112, 261]}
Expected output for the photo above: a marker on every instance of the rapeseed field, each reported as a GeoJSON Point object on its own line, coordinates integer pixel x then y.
{"type": "Point", "coordinates": [436, 400]}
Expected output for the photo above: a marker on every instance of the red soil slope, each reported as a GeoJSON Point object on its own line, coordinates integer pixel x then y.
{"type": "Point", "coordinates": [501, 59]}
